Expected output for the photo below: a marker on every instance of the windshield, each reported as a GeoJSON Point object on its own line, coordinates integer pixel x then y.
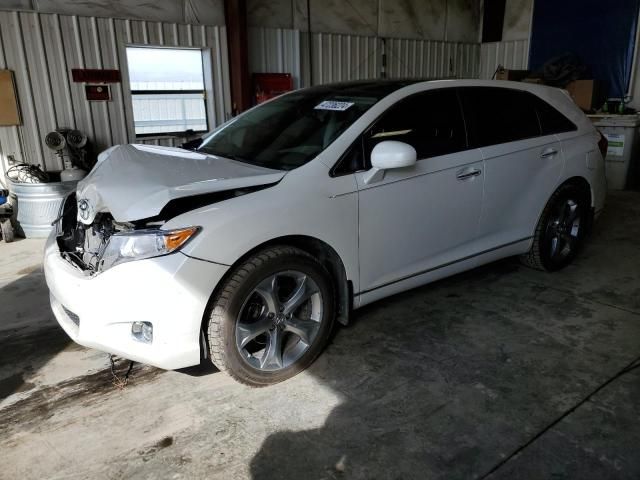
{"type": "Point", "coordinates": [291, 130]}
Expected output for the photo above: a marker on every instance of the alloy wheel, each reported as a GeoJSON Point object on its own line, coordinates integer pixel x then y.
{"type": "Point", "coordinates": [279, 320]}
{"type": "Point", "coordinates": [563, 229]}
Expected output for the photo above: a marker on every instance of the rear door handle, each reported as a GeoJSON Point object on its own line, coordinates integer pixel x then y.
{"type": "Point", "coordinates": [550, 152]}
{"type": "Point", "coordinates": [468, 173]}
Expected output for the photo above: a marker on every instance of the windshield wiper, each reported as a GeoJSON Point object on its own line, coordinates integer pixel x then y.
{"type": "Point", "coordinates": [223, 155]}
{"type": "Point", "coordinates": [234, 157]}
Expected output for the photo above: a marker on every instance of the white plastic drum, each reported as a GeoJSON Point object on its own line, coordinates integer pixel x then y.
{"type": "Point", "coordinates": [39, 204]}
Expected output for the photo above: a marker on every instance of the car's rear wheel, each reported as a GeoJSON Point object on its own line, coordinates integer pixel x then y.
{"type": "Point", "coordinates": [272, 316]}
{"type": "Point", "coordinates": [561, 230]}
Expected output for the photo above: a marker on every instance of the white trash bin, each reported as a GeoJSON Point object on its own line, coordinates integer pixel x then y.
{"type": "Point", "coordinates": [39, 205]}
{"type": "Point", "coordinates": [621, 163]}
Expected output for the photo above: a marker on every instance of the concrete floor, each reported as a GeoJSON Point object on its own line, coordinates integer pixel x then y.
{"type": "Point", "coordinates": [501, 372]}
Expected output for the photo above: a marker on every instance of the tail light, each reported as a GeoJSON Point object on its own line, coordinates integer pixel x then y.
{"type": "Point", "coordinates": [603, 145]}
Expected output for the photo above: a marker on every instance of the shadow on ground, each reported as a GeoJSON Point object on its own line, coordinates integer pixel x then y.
{"type": "Point", "coordinates": [29, 335]}
{"type": "Point", "coordinates": [451, 380]}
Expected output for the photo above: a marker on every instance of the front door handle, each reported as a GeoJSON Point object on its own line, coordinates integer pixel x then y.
{"type": "Point", "coordinates": [550, 152]}
{"type": "Point", "coordinates": [468, 173]}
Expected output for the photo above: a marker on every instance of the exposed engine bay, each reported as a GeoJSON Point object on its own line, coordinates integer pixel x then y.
{"type": "Point", "coordinates": [83, 245]}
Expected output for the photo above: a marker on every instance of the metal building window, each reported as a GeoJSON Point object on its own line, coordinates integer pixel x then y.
{"type": "Point", "coordinates": [167, 90]}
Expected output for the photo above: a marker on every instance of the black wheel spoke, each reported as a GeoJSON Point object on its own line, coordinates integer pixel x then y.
{"type": "Point", "coordinates": [562, 230]}
{"type": "Point", "coordinates": [555, 246]}
{"type": "Point", "coordinates": [573, 214]}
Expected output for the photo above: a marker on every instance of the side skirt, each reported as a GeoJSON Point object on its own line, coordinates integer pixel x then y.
{"type": "Point", "coordinates": [422, 278]}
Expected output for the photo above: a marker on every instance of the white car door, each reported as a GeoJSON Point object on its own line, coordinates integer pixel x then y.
{"type": "Point", "coordinates": [419, 218]}
{"type": "Point", "coordinates": [522, 161]}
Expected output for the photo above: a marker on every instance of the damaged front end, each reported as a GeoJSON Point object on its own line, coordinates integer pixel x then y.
{"type": "Point", "coordinates": [119, 210]}
{"type": "Point", "coordinates": [105, 242]}
{"type": "Point", "coordinates": [84, 245]}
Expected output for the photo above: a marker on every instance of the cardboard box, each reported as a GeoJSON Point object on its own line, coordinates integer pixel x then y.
{"type": "Point", "coordinates": [584, 93]}
{"type": "Point", "coordinates": [513, 75]}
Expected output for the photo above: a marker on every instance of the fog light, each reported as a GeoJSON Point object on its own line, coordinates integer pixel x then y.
{"type": "Point", "coordinates": [142, 331]}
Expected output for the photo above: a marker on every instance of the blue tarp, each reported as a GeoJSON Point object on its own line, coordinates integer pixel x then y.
{"type": "Point", "coordinates": [602, 33]}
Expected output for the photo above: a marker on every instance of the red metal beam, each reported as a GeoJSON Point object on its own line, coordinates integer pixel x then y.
{"type": "Point", "coordinates": [235, 13]}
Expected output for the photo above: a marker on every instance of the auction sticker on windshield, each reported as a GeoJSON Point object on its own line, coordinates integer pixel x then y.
{"type": "Point", "coordinates": [333, 105]}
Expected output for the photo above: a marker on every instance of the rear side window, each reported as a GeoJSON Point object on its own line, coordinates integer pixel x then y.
{"type": "Point", "coordinates": [551, 120]}
{"type": "Point", "coordinates": [431, 122]}
{"type": "Point", "coordinates": [499, 115]}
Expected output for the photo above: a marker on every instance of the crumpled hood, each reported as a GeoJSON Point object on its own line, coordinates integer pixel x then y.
{"type": "Point", "coordinates": [134, 182]}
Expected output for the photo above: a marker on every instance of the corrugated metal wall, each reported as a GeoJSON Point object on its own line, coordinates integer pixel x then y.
{"type": "Point", "coordinates": [43, 48]}
{"type": "Point", "coordinates": [351, 57]}
{"type": "Point", "coordinates": [512, 54]}
{"type": "Point", "coordinates": [275, 50]}
{"type": "Point", "coordinates": [431, 59]}
{"type": "Point", "coordinates": [338, 57]}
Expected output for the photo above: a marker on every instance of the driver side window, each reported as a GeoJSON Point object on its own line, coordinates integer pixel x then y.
{"type": "Point", "coordinates": [431, 122]}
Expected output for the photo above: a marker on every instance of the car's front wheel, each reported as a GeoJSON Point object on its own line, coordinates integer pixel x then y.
{"type": "Point", "coordinates": [272, 316]}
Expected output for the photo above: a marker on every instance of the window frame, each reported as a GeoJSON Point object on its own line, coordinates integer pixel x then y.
{"type": "Point", "coordinates": [333, 170]}
{"type": "Point", "coordinates": [538, 101]}
{"type": "Point", "coordinates": [534, 100]}
{"type": "Point", "coordinates": [360, 138]}
{"type": "Point", "coordinates": [205, 97]}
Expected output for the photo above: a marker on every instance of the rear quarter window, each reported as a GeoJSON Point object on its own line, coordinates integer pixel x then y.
{"type": "Point", "coordinates": [498, 115]}
{"type": "Point", "coordinates": [551, 120]}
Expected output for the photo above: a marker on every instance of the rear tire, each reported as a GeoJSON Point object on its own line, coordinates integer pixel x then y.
{"type": "Point", "coordinates": [561, 230]}
{"type": "Point", "coordinates": [7, 230]}
{"type": "Point", "coordinates": [271, 317]}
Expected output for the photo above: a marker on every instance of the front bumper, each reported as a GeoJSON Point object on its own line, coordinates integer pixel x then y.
{"type": "Point", "coordinates": [97, 311]}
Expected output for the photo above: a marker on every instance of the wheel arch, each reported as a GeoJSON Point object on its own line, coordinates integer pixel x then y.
{"type": "Point", "coordinates": [582, 183]}
{"type": "Point", "coordinates": [579, 182]}
{"type": "Point", "coordinates": [321, 251]}
{"type": "Point", "coordinates": [535, 257]}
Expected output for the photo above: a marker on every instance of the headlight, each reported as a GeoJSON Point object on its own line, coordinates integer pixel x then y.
{"type": "Point", "coordinates": [141, 244]}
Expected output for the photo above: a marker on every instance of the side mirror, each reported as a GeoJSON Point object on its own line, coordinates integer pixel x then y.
{"type": "Point", "coordinates": [388, 155]}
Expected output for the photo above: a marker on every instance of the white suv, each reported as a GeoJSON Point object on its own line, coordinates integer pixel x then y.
{"type": "Point", "coordinates": [248, 250]}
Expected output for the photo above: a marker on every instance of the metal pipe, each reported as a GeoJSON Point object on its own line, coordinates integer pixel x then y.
{"type": "Point", "coordinates": [310, 43]}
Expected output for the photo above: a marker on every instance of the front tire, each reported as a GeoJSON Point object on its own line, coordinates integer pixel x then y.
{"type": "Point", "coordinates": [561, 230]}
{"type": "Point", "coordinates": [271, 317]}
